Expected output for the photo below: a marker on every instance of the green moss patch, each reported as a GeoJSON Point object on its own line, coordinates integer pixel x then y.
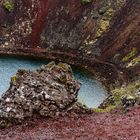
{"type": "Point", "coordinates": [107, 109]}
{"type": "Point", "coordinates": [8, 5]}
{"type": "Point", "coordinates": [86, 1]}
{"type": "Point", "coordinates": [129, 90]}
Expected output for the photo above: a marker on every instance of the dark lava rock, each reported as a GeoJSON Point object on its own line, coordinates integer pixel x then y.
{"type": "Point", "coordinates": [49, 91]}
{"type": "Point", "coordinates": [128, 101]}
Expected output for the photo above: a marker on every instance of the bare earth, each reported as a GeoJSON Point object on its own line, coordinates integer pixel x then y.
{"type": "Point", "coordinates": [104, 126]}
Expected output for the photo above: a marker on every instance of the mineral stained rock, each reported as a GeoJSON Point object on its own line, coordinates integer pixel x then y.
{"type": "Point", "coordinates": [48, 91]}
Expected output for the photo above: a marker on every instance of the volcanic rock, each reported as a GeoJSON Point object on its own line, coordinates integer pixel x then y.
{"type": "Point", "coordinates": [48, 91]}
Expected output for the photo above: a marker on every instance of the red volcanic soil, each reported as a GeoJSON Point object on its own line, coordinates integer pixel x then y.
{"type": "Point", "coordinates": [103, 126]}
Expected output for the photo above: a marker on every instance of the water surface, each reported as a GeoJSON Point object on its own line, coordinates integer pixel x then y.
{"type": "Point", "coordinates": [91, 92]}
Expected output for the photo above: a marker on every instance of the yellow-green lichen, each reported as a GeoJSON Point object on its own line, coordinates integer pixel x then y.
{"type": "Point", "coordinates": [104, 22]}
{"type": "Point", "coordinates": [8, 5]}
{"type": "Point", "coordinates": [103, 26]}
{"type": "Point", "coordinates": [51, 65]}
{"type": "Point", "coordinates": [14, 78]}
{"type": "Point", "coordinates": [65, 66]}
{"type": "Point", "coordinates": [132, 53]}
{"type": "Point", "coordinates": [109, 14]}
{"type": "Point", "coordinates": [133, 62]}
{"type": "Point", "coordinates": [107, 109]}
{"type": "Point", "coordinates": [129, 90]}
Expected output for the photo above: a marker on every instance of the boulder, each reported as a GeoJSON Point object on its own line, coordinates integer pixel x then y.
{"type": "Point", "coordinates": [128, 101]}
{"type": "Point", "coordinates": [48, 91]}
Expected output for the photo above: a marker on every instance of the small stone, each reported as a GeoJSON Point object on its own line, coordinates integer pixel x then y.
{"type": "Point", "coordinates": [47, 96]}
{"type": "Point", "coordinates": [6, 43]}
{"type": "Point", "coordinates": [128, 100]}
{"type": "Point", "coordinates": [95, 15]}
{"type": "Point", "coordinates": [85, 18]}
{"type": "Point", "coordinates": [89, 52]}
{"type": "Point", "coordinates": [8, 109]}
{"type": "Point", "coordinates": [7, 100]}
{"type": "Point", "coordinates": [7, 35]}
{"type": "Point", "coordinates": [103, 10]}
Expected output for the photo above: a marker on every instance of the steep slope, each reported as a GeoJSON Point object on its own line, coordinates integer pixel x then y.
{"type": "Point", "coordinates": [101, 35]}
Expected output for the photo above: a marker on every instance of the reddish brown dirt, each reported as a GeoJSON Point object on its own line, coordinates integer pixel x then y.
{"type": "Point", "coordinates": [43, 7]}
{"type": "Point", "coordinates": [39, 22]}
{"type": "Point", "coordinates": [104, 126]}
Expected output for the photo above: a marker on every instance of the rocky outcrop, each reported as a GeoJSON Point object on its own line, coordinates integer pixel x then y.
{"type": "Point", "coordinates": [102, 36]}
{"type": "Point", "coordinates": [49, 91]}
{"type": "Point", "coordinates": [123, 97]}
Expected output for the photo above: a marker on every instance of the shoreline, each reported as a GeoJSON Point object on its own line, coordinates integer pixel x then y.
{"type": "Point", "coordinates": [71, 59]}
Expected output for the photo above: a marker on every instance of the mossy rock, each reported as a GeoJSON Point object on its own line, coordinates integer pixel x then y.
{"type": "Point", "coordinates": [65, 67]}
{"type": "Point", "coordinates": [134, 62]}
{"type": "Point", "coordinates": [51, 65]}
{"type": "Point", "coordinates": [128, 92]}
{"type": "Point", "coordinates": [132, 53]}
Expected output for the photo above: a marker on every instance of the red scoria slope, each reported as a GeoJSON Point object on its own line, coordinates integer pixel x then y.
{"type": "Point", "coordinates": [104, 126]}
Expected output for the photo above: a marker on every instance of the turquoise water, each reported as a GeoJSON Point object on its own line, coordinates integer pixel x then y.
{"type": "Point", "coordinates": [91, 93]}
